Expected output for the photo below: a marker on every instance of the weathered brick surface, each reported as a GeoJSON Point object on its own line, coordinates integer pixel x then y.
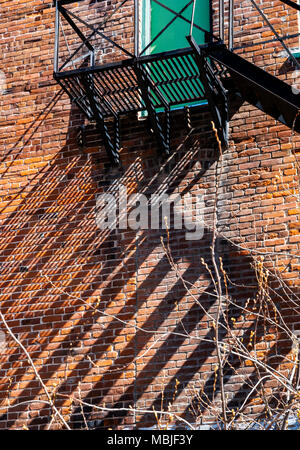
{"type": "Point", "coordinates": [56, 264]}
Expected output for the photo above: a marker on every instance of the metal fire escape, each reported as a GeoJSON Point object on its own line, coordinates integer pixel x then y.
{"type": "Point", "coordinates": [104, 91]}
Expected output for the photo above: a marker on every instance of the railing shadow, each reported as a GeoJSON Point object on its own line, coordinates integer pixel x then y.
{"type": "Point", "coordinates": [56, 263]}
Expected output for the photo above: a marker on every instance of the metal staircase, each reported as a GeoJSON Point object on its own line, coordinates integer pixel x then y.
{"type": "Point", "coordinates": [253, 84]}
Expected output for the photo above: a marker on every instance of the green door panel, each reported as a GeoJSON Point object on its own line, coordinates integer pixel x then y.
{"type": "Point", "coordinates": [174, 37]}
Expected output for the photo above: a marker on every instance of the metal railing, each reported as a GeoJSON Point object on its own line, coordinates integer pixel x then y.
{"type": "Point", "coordinates": [226, 29]}
{"type": "Point", "coordinates": [71, 18]}
{"type": "Point", "coordinates": [229, 19]}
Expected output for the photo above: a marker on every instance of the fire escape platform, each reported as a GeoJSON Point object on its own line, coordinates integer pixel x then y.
{"type": "Point", "coordinates": [172, 79]}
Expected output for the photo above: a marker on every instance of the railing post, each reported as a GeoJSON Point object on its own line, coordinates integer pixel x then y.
{"type": "Point", "coordinates": [92, 58]}
{"type": "Point", "coordinates": [136, 28]}
{"type": "Point", "coordinates": [56, 45]}
{"type": "Point", "coordinates": [193, 18]}
{"type": "Point", "coordinates": [221, 19]}
{"type": "Point", "coordinates": [230, 31]}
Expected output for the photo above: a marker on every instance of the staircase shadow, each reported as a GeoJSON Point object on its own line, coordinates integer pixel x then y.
{"type": "Point", "coordinates": [34, 238]}
{"type": "Point", "coordinates": [55, 263]}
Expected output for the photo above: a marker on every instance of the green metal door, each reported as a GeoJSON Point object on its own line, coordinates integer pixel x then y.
{"type": "Point", "coordinates": [158, 13]}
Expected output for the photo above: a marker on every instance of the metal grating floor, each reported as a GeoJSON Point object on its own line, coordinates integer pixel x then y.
{"type": "Point", "coordinates": [173, 77]}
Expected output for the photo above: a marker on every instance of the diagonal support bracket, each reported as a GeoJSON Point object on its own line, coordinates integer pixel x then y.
{"type": "Point", "coordinates": [112, 145]}
{"type": "Point", "coordinates": [215, 92]}
{"type": "Point", "coordinates": [161, 131]}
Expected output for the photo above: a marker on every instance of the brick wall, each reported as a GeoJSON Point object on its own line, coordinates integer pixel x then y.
{"type": "Point", "coordinates": [142, 344]}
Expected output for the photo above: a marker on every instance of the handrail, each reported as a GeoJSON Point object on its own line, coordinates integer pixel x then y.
{"type": "Point", "coordinates": [226, 16]}
{"type": "Point", "coordinates": [193, 24]}
{"type": "Point", "coordinates": [279, 38]}
{"type": "Point", "coordinates": [193, 17]}
{"type": "Point", "coordinates": [290, 3]}
{"type": "Point", "coordinates": [59, 7]}
{"type": "Point", "coordinates": [230, 31]}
